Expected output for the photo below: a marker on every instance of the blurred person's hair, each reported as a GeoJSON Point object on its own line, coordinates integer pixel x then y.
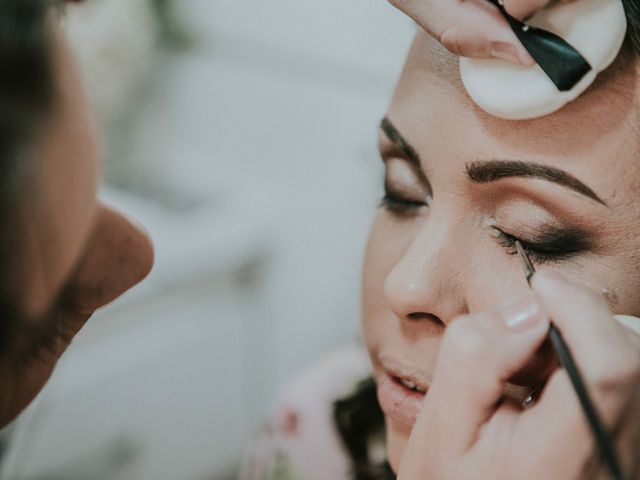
{"type": "Point", "coordinates": [27, 95]}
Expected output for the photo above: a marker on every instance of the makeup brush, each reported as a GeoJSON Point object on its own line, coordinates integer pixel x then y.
{"type": "Point", "coordinates": [603, 441]}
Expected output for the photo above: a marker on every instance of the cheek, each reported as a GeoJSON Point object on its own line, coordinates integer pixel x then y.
{"type": "Point", "coordinates": [388, 241]}
{"type": "Point", "coordinates": [396, 441]}
{"type": "Point", "coordinates": [616, 279]}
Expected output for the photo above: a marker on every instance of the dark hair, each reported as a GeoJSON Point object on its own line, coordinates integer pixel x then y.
{"type": "Point", "coordinates": [632, 7]}
{"type": "Point", "coordinates": [26, 95]}
{"type": "Point", "coordinates": [359, 421]}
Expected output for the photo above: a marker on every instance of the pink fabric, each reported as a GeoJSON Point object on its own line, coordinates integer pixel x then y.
{"type": "Point", "coordinates": [299, 440]}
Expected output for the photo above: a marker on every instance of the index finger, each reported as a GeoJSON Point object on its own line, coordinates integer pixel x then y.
{"type": "Point", "coordinates": [608, 360]}
{"type": "Point", "coordinates": [469, 28]}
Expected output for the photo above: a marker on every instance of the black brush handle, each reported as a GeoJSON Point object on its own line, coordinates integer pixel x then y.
{"type": "Point", "coordinates": [562, 63]}
{"type": "Point", "coordinates": [603, 441]}
{"type": "Point", "coordinates": [607, 451]}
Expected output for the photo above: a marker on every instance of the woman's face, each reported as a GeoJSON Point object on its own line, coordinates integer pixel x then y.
{"type": "Point", "coordinates": [461, 186]}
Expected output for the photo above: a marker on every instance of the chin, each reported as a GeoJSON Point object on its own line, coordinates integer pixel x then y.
{"type": "Point", "coordinates": [397, 438]}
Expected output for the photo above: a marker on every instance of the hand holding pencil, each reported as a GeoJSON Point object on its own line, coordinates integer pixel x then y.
{"type": "Point", "coordinates": [467, 424]}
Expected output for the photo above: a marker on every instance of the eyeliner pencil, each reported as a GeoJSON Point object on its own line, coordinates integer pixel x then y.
{"type": "Point", "coordinates": [603, 441]}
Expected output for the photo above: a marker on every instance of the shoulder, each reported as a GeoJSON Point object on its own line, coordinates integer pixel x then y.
{"type": "Point", "coordinates": [300, 439]}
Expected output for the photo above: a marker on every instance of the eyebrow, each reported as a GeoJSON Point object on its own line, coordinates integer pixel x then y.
{"type": "Point", "coordinates": [399, 141]}
{"type": "Point", "coordinates": [495, 170]}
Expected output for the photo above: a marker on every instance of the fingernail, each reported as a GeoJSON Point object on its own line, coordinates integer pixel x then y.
{"type": "Point", "coordinates": [505, 51]}
{"type": "Point", "coordinates": [524, 314]}
{"type": "Point", "coordinates": [525, 58]}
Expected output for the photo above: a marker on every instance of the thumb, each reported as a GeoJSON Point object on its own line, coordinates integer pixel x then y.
{"type": "Point", "coordinates": [479, 354]}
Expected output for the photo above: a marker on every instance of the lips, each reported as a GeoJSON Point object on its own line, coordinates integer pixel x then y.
{"type": "Point", "coordinates": [412, 386]}
{"type": "Point", "coordinates": [402, 390]}
{"type": "Point", "coordinates": [401, 395]}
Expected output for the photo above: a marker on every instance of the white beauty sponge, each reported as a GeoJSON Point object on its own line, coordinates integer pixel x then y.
{"type": "Point", "coordinates": [595, 28]}
{"type": "Point", "coordinates": [631, 323]}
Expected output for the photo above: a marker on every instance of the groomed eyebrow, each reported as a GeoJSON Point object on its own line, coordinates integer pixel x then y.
{"type": "Point", "coordinates": [399, 141]}
{"type": "Point", "coordinates": [495, 170]}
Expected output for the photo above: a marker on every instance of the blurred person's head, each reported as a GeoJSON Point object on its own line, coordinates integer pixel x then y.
{"type": "Point", "coordinates": [63, 254]}
{"type": "Point", "coordinates": [462, 186]}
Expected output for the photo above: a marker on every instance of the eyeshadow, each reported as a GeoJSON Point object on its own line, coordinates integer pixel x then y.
{"type": "Point", "coordinates": [547, 242]}
{"type": "Point", "coordinates": [552, 238]}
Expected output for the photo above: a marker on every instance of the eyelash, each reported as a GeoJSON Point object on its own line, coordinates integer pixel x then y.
{"type": "Point", "coordinates": [557, 246]}
{"type": "Point", "coordinates": [538, 252]}
{"type": "Point", "coordinates": [400, 207]}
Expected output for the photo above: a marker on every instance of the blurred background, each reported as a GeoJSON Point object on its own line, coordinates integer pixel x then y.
{"type": "Point", "coordinates": [242, 134]}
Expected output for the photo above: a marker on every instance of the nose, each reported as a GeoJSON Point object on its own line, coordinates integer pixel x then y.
{"type": "Point", "coordinates": [118, 255]}
{"type": "Point", "coordinates": [424, 285]}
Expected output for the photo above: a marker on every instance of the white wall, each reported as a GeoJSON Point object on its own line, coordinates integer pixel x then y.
{"type": "Point", "coordinates": [285, 97]}
{"type": "Point", "coordinates": [295, 92]}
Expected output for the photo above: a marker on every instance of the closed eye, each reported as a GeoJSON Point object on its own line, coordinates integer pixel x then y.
{"type": "Point", "coordinates": [401, 206]}
{"type": "Point", "coordinates": [553, 244]}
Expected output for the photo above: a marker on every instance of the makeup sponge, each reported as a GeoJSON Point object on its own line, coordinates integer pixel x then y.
{"type": "Point", "coordinates": [631, 323]}
{"type": "Point", "coordinates": [595, 28]}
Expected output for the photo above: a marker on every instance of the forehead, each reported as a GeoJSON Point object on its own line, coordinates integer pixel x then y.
{"type": "Point", "coordinates": [595, 138]}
